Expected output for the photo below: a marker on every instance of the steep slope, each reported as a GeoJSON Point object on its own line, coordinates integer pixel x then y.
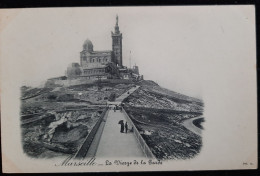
{"type": "Point", "coordinates": [158, 114]}
{"type": "Point", "coordinates": [55, 121]}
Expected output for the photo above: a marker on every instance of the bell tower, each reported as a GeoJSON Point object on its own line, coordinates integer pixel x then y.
{"type": "Point", "coordinates": [117, 44]}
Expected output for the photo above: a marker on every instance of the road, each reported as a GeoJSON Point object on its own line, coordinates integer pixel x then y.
{"type": "Point", "coordinates": [33, 119]}
{"type": "Point", "coordinates": [190, 126]}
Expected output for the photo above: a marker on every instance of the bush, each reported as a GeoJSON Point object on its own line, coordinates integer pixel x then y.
{"type": "Point", "coordinates": [112, 97]}
{"type": "Point", "coordinates": [65, 97]}
{"type": "Point", "coordinates": [52, 97]}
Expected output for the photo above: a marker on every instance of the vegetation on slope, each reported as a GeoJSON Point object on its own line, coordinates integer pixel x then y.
{"type": "Point", "coordinates": [158, 114]}
{"type": "Point", "coordinates": [55, 121]}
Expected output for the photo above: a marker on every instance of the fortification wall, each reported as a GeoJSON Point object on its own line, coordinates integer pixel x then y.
{"type": "Point", "coordinates": [79, 81]}
{"type": "Point", "coordinates": [117, 81]}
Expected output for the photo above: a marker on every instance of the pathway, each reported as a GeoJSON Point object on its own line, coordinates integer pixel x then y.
{"type": "Point", "coordinates": [190, 126]}
{"type": "Point", "coordinates": [33, 119]}
{"type": "Point", "coordinates": [126, 94]}
{"type": "Point", "coordinates": [110, 142]}
{"type": "Point", "coordinates": [113, 143]}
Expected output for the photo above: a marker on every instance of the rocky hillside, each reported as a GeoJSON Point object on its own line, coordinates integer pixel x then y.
{"type": "Point", "coordinates": [55, 121]}
{"type": "Point", "coordinates": [158, 114]}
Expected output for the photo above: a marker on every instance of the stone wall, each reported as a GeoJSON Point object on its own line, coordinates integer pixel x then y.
{"type": "Point", "coordinates": [79, 81]}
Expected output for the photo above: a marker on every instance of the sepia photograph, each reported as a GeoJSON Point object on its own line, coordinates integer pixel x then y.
{"type": "Point", "coordinates": [94, 89]}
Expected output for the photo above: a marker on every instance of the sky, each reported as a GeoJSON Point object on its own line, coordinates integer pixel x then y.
{"type": "Point", "coordinates": [180, 48]}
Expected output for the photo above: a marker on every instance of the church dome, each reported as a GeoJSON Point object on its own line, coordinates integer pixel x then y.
{"type": "Point", "coordinates": [88, 45]}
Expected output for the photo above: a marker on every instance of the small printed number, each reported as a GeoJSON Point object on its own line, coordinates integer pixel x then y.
{"type": "Point", "coordinates": [245, 164]}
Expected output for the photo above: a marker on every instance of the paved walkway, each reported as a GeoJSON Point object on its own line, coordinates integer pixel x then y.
{"type": "Point", "coordinates": [125, 95]}
{"type": "Point", "coordinates": [190, 126]}
{"type": "Point", "coordinates": [113, 143]}
{"type": "Point", "coordinates": [110, 142]}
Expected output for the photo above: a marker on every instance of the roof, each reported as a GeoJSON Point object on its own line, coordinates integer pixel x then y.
{"type": "Point", "coordinates": [95, 67]}
{"type": "Point", "coordinates": [101, 53]}
{"type": "Point", "coordinates": [104, 51]}
{"type": "Point", "coordinates": [88, 42]}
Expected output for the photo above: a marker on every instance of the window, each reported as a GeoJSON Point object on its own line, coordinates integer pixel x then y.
{"type": "Point", "coordinates": [115, 41]}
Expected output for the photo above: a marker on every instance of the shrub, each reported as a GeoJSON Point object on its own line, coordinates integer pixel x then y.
{"type": "Point", "coordinates": [52, 97]}
{"type": "Point", "coordinates": [112, 97]}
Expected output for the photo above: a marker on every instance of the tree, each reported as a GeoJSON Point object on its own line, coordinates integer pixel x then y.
{"type": "Point", "coordinates": [112, 97]}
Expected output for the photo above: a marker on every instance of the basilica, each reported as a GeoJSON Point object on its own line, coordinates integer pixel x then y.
{"type": "Point", "coordinates": [103, 64]}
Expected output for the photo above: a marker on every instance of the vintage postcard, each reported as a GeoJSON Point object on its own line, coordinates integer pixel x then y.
{"type": "Point", "coordinates": [108, 89]}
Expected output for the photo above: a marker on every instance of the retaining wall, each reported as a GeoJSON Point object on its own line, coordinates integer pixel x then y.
{"type": "Point", "coordinates": [82, 152]}
{"type": "Point", "coordinates": [79, 81]}
{"type": "Point", "coordinates": [148, 153]}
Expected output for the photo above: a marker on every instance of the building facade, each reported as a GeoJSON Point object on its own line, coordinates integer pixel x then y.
{"type": "Point", "coordinates": [97, 64]}
{"type": "Point", "coordinates": [101, 64]}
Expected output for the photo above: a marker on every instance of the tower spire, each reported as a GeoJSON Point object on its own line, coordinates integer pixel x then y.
{"type": "Point", "coordinates": [116, 20]}
{"type": "Point", "coordinates": [117, 27]}
{"type": "Point", "coordinates": [117, 44]}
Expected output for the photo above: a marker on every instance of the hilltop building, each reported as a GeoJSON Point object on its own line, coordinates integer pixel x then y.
{"type": "Point", "coordinates": [117, 44]}
{"type": "Point", "coordinates": [103, 64]}
{"type": "Point", "coordinates": [97, 64]}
